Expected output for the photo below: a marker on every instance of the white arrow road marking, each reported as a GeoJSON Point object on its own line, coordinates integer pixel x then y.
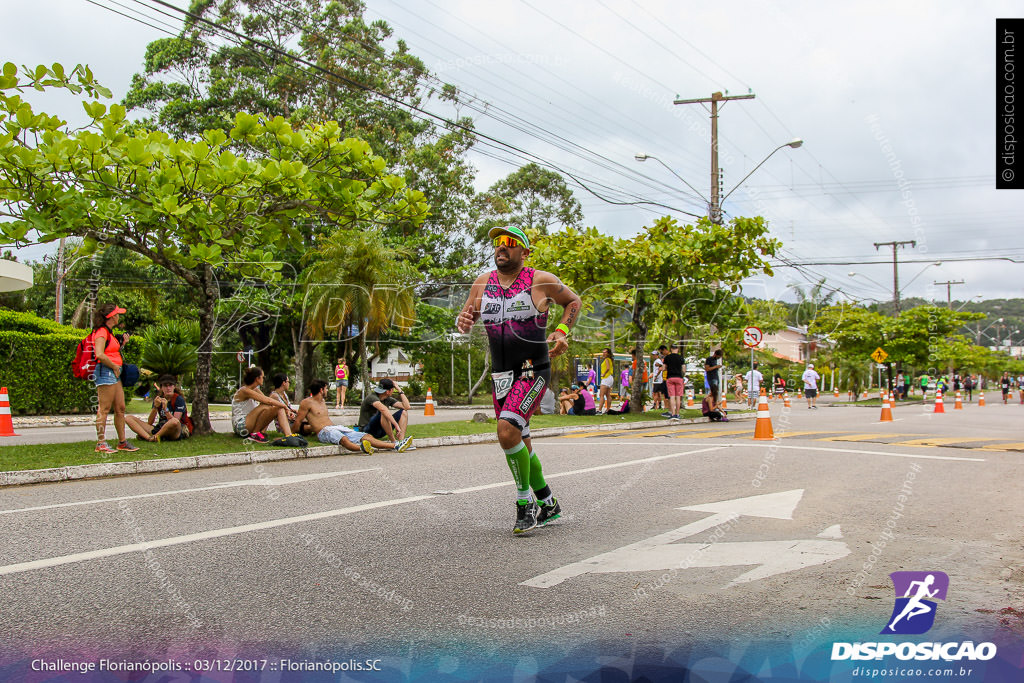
{"type": "Point", "coordinates": [660, 552]}
{"type": "Point", "coordinates": [267, 481]}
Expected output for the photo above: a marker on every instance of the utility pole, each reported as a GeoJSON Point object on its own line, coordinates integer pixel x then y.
{"type": "Point", "coordinates": [895, 270]}
{"type": "Point", "coordinates": [715, 211]}
{"type": "Point", "coordinates": [949, 284]}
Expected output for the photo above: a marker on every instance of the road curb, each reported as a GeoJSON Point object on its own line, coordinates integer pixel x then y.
{"type": "Point", "coordinates": [120, 469]}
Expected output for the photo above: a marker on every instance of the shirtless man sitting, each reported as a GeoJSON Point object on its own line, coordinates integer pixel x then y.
{"type": "Point", "coordinates": [314, 410]}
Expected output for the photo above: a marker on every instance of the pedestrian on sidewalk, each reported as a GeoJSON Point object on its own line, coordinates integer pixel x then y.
{"type": "Point", "coordinates": [754, 379]}
{"type": "Point", "coordinates": [107, 377]}
{"type": "Point", "coordinates": [811, 378]}
{"type": "Point", "coordinates": [675, 367]}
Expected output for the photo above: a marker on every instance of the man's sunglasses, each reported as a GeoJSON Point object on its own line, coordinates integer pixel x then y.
{"type": "Point", "coordinates": [506, 241]}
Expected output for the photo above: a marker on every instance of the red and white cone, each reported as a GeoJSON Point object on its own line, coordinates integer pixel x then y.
{"type": "Point", "coordinates": [763, 427]}
{"type": "Point", "coordinates": [938, 402]}
{"type": "Point", "coordinates": [958, 404]}
{"type": "Point", "coordinates": [6, 424]}
{"type": "Point", "coordinates": [886, 409]}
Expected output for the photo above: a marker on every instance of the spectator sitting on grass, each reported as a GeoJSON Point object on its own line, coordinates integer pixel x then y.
{"type": "Point", "coordinates": [564, 401]}
{"type": "Point", "coordinates": [252, 410]}
{"type": "Point", "coordinates": [281, 386]}
{"type": "Point", "coordinates": [709, 408]}
{"type": "Point", "coordinates": [168, 419]}
{"type": "Point", "coordinates": [376, 419]}
{"type": "Point", "coordinates": [623, 409]}
{"type": "Point", "coordinates": [582, 401]}
{"type": "Point", "coordinates": [314, 410]}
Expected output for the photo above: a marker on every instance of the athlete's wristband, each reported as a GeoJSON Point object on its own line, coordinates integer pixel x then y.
{"type": "Point", "coordinates": [563, 328]}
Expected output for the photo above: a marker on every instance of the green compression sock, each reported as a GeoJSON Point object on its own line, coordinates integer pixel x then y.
{"type": "Point", "coordinates": [536, 473]}
{"type": "Point", "coordinates": [518, 458]}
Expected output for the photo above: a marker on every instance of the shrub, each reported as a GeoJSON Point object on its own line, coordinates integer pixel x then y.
{"type": "Point", "coordinates": [35, 366]}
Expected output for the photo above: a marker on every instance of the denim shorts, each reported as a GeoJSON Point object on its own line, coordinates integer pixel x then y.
{"type": "Point", "coordinates": [104, 376]}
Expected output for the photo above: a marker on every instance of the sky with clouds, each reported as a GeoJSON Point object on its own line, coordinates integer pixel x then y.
{"type": "Point", "coordinates": [895, 103]}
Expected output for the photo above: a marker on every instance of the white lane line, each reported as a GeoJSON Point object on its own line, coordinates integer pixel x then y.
{"type": "Point", "coordinates": [268, 481]}
{"type": "Point", "coordinates": [866, 452]}
{"type": "Point", "coordinates": [598, 442]}
{"type": "Point", "coordinates": [260, 526]}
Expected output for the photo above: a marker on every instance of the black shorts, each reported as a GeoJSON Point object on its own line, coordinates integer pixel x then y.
{"type": "Point", "coordinates": [810, 393]}
{"type": "Point", "coordinates": [660, 388]}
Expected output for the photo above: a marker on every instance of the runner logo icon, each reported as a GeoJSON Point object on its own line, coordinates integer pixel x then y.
{"type": "Point", "coordinates": [914, 611]}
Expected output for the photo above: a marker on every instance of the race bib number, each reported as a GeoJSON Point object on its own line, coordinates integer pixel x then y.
{"type": "Point", "coordinates": [502, 383]}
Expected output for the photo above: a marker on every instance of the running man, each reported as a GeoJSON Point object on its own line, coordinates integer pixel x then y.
{"type": "Point", "coordinates": [513, 302]}
{"type": "Point", "coordinates": [914, 606]}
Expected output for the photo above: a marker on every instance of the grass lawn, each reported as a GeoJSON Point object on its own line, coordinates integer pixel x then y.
{"type": "Point", "coordinates": [42, 456]}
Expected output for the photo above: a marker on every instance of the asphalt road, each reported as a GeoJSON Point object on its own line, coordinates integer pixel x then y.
{"type": "Point", "coordinates": [683, 542]}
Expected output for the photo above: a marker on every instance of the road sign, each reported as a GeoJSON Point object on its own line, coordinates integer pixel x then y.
{"type": "Point", "coordinates": [240, 356]}
{"type": "Point", "coordinates": [752, 336]}
{"type": "Point", "coordinates": [662, 552]}
{"type": "Point", "coordinates": [879, 355]}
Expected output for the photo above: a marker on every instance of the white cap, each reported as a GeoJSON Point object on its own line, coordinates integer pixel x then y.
{"type": "Point", "coordinates": [810, 366]}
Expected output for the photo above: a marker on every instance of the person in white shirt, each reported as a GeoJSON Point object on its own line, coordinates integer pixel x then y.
{"type": "Point", "coordinates": [754, 379]}
{"type": "Point", "coordinates": [810, 378]}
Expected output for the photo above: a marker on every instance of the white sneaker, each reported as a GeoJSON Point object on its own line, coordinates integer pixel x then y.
{"type": "Point", "coordinates": [403, 445]}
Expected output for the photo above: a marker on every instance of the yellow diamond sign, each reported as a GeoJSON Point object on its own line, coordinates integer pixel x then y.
{"type": "Point", "coordinates": [879, 355]}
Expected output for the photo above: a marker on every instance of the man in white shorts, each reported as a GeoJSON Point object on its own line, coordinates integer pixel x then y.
{"type": "Point", "coordinates": [314, 410]}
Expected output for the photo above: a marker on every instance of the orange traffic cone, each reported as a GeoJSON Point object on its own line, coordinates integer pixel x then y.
{"type": "Point", "coordinates": [865, 394]}
{"type": "Point", "coordinates": [428, 409]}
{"type": "Point", "coordinates": [785, 400]}
{"type": "Point", "coordinates": [6, 425]}
{"type": "Point", "coordinates": [835, 394]}
{"type": "Point", "coordinates": [723, 404]}
{"type": "Point", "coordinates": [981, 399]}
{"type": "Point", "coordinates": [886, 409]}
{"type": "Point", "coordinates": [958, 404]}
{"type": "Point", "coordinates": [689, 398]}
{"type": "Point", "coordinates": [763, 427]}
{"type": "Point", "coordinates": [938, 402]}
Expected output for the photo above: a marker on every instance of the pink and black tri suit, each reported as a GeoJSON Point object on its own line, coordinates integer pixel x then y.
{"type": "Point", "coordinates": [517, 332]}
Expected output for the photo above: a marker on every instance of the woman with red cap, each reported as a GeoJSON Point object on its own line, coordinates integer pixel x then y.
{"type": "Point", "coordinates": [107, 376]}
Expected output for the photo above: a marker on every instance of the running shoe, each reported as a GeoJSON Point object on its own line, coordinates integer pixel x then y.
{"type": "Point", "coordinates": [104, 447]}
{"type": "Point", "coordinates": [666, 415]}
{"type": "Point", "coordinates": [403, 445]}
{"type": "Point", "coordinates": [127, 446]}
{"type": "Point", "coordinates": [526, 517]}
{"type": "Point", "coordinates": [548, 513]}
{"type": "Point", "coordinates": [675, 417]}
{"type": "Point", "coordinates": [365, 447]}
{"type": "Point", "coordinates": [257, 437]}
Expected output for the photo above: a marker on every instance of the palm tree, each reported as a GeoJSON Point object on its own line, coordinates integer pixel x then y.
{"type": "Point", "coordinates": [810, 301]}
{"type": "Point", "coordinates": [356, 278]}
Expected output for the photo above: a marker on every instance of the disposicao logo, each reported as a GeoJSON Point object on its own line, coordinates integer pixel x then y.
{"type": "Point", "coordinates": [914, 614]}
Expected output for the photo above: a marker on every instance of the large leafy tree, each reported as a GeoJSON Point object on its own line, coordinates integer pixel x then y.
{"type": "Point", "coordinates": [924, 337]}
{"type": "Point", "coordinates": [670, 275]}
{"type": "Point", "coordinates": [530, 198]}
{"type": "Point", "coordinates": [310, 61]}
{"type": "Point", "coordinates": [193, 207]}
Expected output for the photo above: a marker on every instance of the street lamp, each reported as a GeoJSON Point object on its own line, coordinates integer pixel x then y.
{"type": "Point", "coordinates": [714, 204]}
{"type": "Point", "coordinates": [794, 143]}
{"type": "Point", "coordinates": [644, 157]}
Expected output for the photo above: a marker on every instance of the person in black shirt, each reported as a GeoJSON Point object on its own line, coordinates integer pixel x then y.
{"type": "Point", "coordinates": [1005, 383]}
{"type": "Point", "coordinates": [713, 371]}
{"type": "Point", "coordinates": [675, 366]}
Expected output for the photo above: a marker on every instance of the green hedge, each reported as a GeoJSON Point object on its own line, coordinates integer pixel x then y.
{"type": "Point", "coordinates": [35, 366]}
